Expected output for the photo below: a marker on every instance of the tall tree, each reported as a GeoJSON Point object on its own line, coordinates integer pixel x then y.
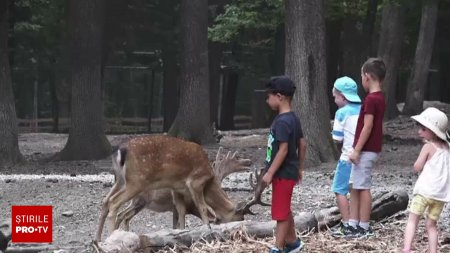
{"type": "Point", "coordinates": [87, 140]}
{"type": "Point", "coordinates": [193, 118]}
{"type": "Point", "coordinates": [9, 145]}
{"type": "Point", "coordinates": [170, 57]}
{"type": "Point", "coordinates": [306, 65]}
{"type": "Point", "coordinates": [357, 35]}
{"type": "Point", "coordinates": [424, 49]}
{"type": "Point", "coordinates": [389, 49]}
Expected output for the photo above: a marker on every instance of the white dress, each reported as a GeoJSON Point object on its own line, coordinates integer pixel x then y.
{"type": "Point", "coordinates": [434, 180]}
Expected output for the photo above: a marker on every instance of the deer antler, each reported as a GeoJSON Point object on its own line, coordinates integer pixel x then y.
{"type": "Point", "coordinates": [229, 164]}
{"type": "Point", "coordinates": [258, 189]}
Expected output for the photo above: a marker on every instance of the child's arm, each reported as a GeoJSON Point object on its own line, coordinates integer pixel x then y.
{"type": "Point", "coordinates": [277, 161]}
{"type": "Point", "coordinates": [363, 137]}
{"type": "Point", "coordinates": [423, 157]}
{"type": "Point", "coordinates": [301, 157]}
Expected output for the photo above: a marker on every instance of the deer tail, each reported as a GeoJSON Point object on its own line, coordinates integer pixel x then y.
{"type": "Point", "coordinates": [119, 157]}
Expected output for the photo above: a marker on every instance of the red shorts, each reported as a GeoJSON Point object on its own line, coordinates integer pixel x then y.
{"type": "Point", "coordinates": [281, 198]}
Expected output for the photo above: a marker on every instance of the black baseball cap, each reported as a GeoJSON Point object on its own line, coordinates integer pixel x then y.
{"type": "Point", "coordinates": [281, 84]}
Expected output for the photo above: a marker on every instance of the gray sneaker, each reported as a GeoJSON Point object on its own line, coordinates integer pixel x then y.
{"type": "Point", "coordinates": [365, 233]}
{"type": "Point", "coordinates": [351, 232]}
{"type": "Point", "coordinates": [338, 231]}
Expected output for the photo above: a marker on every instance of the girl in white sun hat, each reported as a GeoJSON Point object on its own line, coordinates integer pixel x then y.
{"type": "Point", "coordinates": [432, 189]}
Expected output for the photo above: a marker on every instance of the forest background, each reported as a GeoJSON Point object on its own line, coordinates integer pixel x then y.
{"type": "Point", "coordinates": [91, 68]}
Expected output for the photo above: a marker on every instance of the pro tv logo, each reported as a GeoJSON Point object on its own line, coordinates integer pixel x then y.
{"type": "Point", "coordinates": [31, 224]}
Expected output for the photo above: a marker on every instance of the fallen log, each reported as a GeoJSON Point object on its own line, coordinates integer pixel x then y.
{"type": "Point", "coordinates": [384, 205]}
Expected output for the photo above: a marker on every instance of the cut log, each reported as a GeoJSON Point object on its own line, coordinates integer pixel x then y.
{"type": "Point", "coordinates": [384, 205]}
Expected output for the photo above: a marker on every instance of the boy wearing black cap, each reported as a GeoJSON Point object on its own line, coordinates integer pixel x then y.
{"type": "Point", "coordinates": [285, 158]}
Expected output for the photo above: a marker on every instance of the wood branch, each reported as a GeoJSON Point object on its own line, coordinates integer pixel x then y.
{"type": "Point", "coordinates": [384, 205]}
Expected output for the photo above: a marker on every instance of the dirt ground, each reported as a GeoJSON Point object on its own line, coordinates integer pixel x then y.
{"type": "Point", "coordinates": [75, 189]}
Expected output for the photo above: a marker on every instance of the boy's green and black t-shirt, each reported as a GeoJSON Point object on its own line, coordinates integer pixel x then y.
{"type": "Point", "coordinates": [285, 127]}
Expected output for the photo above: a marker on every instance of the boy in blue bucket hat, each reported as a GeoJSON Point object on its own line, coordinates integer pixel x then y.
{"type": "Point", "coordinates": [345, 93]}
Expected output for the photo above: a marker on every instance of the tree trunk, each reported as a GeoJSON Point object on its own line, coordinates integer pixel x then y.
{"type": "Point", "coordinates": [333, 45]}
{"type": "Point", "coordinates": [419, 73]}
{"type": "Point", "coordinates": [87, 140]}
{"type": "Point", "coordinates": [9, 144]}
{"type": "Point", "coordinates": [389, 49]}
{"type": "Point", "coordinates": [443, 40]}
{"type": "Point", "coordinates": [215, 61]}
{"type": "Point", "coordinates": [276, 59]}
{"type": "Point", "coordinates": [368, 27]}
{"type": "Point", "coordinates": [306, 65]}
{"type": "Point", "coordinates": [357, 42]}
{"type": "Point", "coordinates": [171, 70]}
{"type": "Point", "coordinates": [215, 50]}
{"type": "Point", "coordinates": [171, 89]}
{"type": "Point", "coordinates": [228, 100]}
{"type": "Point", "coordinates": [62, 86]}
{"type": "Point", "coordinates": [193, 118]}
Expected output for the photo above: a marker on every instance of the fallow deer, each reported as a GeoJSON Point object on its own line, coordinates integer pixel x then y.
{"type": "Point", "coordinates": [157, 200]}
{"type": "Point", "coordinates": [154, 162]}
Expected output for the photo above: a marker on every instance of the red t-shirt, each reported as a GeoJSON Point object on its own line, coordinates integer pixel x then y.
{"type": "Point", "coordinates": [375, 105]}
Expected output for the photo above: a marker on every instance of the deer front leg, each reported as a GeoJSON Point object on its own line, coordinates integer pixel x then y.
{"type": "Point", "coordinates": [132, 210]}
{"type": "Point", "coordinates": [105, 210]}
{"type": "Point", "coordinates": [179, 214]}
{"type": "Point", "coordinates": [196, 188]}
{"type": "Point", "coordinates": [116, 201]}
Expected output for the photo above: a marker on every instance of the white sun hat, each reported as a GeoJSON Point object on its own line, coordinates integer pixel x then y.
{"type": "Point", "coordinates": [434, 120]}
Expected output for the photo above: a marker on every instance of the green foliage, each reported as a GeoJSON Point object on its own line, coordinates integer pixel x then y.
{"type": "Point", "coordinates": [339, 9]}
{"type": "Point", "coordinates": [248, 19]}
{"type": "Point", "coordinates": [39, 24]}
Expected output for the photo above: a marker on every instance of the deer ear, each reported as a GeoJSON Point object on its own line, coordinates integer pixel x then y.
{"type": "Point", "coordinates": [234, 155]}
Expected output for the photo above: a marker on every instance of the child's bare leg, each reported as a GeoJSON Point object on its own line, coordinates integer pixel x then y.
{"type": "Point", "coordinates": [291, 237]}
{"type": "Point", "coordinates": [281, 233]}
{"type": "Point", "coordinates": [410, 231]}
{"type": "Point", "coordinates": [354, 204]}
{"type": "Point", "coordinates": [344, 206]}
{"type": "Point", "coordinates": [365, 200]}
{"type": "Point", "coordinates": [432, 235]}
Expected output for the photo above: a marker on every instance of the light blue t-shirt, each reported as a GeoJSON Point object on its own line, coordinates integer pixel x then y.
{"type": "Point", "coordinates": [344, 127]}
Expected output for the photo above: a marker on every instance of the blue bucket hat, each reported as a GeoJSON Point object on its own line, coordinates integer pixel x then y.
{"type": "Point", "coordinates": [348, 88]}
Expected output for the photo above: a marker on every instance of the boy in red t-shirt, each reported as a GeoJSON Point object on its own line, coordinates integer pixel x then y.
{"type": "Point", "coordinates": [366, 148]}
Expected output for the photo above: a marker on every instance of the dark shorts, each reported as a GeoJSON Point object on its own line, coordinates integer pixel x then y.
{"type": "Point", "coordinates": [281, 198]}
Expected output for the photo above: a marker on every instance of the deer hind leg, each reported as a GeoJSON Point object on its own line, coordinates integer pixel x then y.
{"type": "Point", "coordinates": [128, 213]}
{"type": "Point", "coordinates": [105, 210]}
{"type": "Point", "coordinates": [179, 213]}
{"type": "Point", "coordinates": [116, 201]}
{"type": "Point", "coordinates": [196, 188]}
